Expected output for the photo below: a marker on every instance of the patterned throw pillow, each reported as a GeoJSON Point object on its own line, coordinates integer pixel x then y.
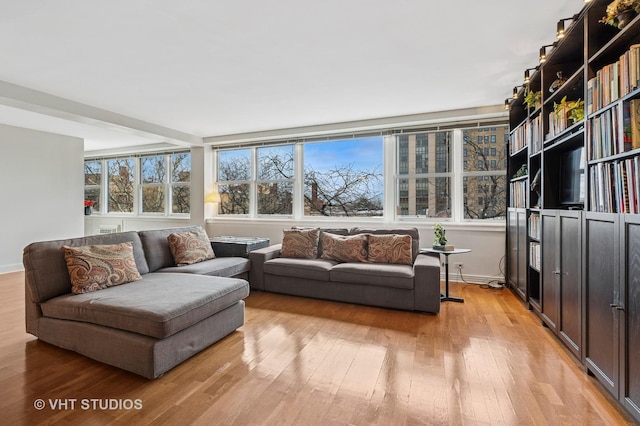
{"type": "Point", "coordinates": [97, 267]}
{"type": "Point", "coordinates": [344, 248]}
{"type": "Point", "coordinates": [390, 249]}
{"type": "Point", "coordinates": [190, 247]}
{"type": "Point", "coordinates": [300, 243]}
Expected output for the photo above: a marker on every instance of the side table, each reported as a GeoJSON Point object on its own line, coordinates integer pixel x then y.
{"type": "Point", "coordinates": [237, 246]}
{"type": "Point", "coordinates": [445, 297]}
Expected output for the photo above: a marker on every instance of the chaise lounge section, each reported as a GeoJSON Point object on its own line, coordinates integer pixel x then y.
{"type": "Point", "coordinates": [147, 326]}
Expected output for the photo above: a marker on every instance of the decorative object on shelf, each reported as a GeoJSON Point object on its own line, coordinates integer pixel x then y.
{"type": "Point", "coordinates": [621, 12]}
{"type": "Point", "coordinates": [557, 83]}
{"type": "Point", "coordinates": [572, 110]}
{"type": "Point", "coordinates": [88, 207]}
{"type": "Point", "coordinates": [522, 171]}
{"type": "Point", "coordinates": [531, 98]}
{"type": "Point", "coordinates": [536, 187]}
{"type": "Point", "coordinates": [440, 238]}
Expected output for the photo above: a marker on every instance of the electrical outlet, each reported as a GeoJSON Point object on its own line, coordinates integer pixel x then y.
{"type": "Point", "coordinates": [459, 265]}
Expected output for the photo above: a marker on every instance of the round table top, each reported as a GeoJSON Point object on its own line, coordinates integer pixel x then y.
{"type": "Point", "coordinates": [447, 252]}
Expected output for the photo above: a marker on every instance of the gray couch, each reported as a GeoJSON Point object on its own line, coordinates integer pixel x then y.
{"type": "Point", "coordinates": [147, 326]}
{"type": "Point", "coordinates": [409, 287]}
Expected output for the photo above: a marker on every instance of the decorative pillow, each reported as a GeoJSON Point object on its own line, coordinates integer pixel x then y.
{"type": "Point", "coordinates": [390, 248]}
{"type": "Point", "coordinates": [344, 248]}
{"type": "Point", "coordinates": [190, 247]}
{"type": "Point", "coordinates": [301, 243]}
{"type": "Point", "coordinates": [97, 267]}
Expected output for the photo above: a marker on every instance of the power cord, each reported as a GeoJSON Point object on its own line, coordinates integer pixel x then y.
{"type": "Point", "coordinates": [492, 284]}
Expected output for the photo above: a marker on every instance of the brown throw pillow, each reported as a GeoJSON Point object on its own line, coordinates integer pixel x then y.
{"type": "Point", "coordinates": [190, 247]}
{"type": "Point", "coordinates": [300, 243]}
{"type": "Point", "coordinates": [97, 267]}
{"type": "Point", "coordinates": [344, 248]}
{"type": "Point", "coordinates": [390, 249]}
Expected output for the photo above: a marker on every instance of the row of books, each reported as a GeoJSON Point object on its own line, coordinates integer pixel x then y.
{"type": "Point", "coordinates": [608, 137]}
{"type": "Point", "coordinates": [536, 134]}
{"type": "Point", "coordinates": [614, 80]}
{"type": "Point", "coordinates": [558, 122]}
{"type": "Point", "coordinates": [534, 226]}
{"type": "Point", "coordinates": [615, 186]}
{"type": "Point", "coordinates": [534, 255]}
{"type": "Point", "coordinates": [520, 137]}
{"type": "Point", "coordinates": [518, 194]}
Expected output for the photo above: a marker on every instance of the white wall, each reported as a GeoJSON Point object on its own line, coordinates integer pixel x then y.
{"type": "Point", "coordinates": [41, 190]}
{"type": "Point", "coordinates": [486, 241]}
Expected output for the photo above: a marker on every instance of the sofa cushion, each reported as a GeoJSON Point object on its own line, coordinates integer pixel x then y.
{"type": "Point", "coordinates": [158, 305]}
{"type": "Point", "coordinates": [335, 231]}
{"type": "Point", "coordinates": [415, 235]}
{"type": "Point", "coordinates": [378, 274]}
{"type": "Point", "coordinates": [390, 248]}
{"type": "Point", "coordinates": [97, 267]}
{"type": "Point", "coordinates": [314, 269]}
{"type": "Point", "coordinates": [344, 248]}
{"type": "Point", "coordinates": [300, 243]}
{"type": "Point", "coordinates": [190, 247]}
{"type": "Point", "coordinates": [156, 247]}
{"type": "Point", "coordinates": [218, 267]}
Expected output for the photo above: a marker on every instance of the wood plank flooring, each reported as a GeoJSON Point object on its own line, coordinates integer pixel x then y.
{"type": "Point", "coordinates": [299, 361]}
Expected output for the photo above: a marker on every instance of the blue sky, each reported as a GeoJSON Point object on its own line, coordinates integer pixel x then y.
{"type": "Point", "coordinates": [366, 154]}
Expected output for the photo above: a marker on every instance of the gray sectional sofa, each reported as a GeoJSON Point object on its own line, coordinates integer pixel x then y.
{"type": "Point", "coordinates": [147, 326]}
{"type": "Point", "coordinates": [413, 287]}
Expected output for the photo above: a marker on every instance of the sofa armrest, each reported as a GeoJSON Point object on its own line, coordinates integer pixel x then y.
{"type": "Point", "coordinates": [426, 270]}
{"type": "Point", "coordinates": [257, 258]}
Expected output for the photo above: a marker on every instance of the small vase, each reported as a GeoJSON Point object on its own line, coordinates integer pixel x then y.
{"type": "Point", "coordinates": [88, 210]}
{"type": "Point", "coordinates": [625, 17]}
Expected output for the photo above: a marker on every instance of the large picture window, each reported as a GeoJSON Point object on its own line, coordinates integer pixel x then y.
{"type": "Point", "coordinates": [343, 178]}
{"type": "Point", "coordinates": [453, 174]}
{"type": "Point", "coordinates": [154, 184]}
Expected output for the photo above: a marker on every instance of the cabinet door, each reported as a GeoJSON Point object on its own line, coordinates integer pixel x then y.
{"type": "Point", "coordinates": [570, 320]}
{"type": "Point", "coordinates": [550, 296]}
{"type": "Point", "coordinates": [512, 240]}
{"type": "Point", "coordinates": [601, 246]}
{"type": "Point", "coordinates": [523, 241]}
{"type": "Point", "coordinates": [631, 315]}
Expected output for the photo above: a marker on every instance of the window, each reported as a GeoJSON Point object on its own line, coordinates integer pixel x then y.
{"type": "Point", "coordinates": [485, 178]}
{"type": "Point", "coordinates": [120, 190]}
{"type": "Point", "coordinates": [154, 176]}
{"type": "Point", "coordinates": [234, 178]}
{"type": "Point", "coordinates": [275, 180]}
{"type": "Point", "coordinates": [93, 183]}
{"type": "Point", "coordinates": [343, 178]}
{"type": "Point", "coordinates": [162, 187]}
{"type": "Point", "coordinates": [424, 185]}
{"type": "Point", "coordinates": [180, 183]}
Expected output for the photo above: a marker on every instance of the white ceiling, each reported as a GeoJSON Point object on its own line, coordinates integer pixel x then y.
{"type": "Point", "coordinates": [213, 67]}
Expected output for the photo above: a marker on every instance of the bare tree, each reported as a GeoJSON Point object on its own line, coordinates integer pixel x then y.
{"type": "Point", "coordinates": [121, 191]}
{"type": "Point", "coordinates": [343, 190]}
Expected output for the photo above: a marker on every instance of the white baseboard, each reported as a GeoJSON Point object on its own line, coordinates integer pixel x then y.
{"type": "Point", "coordinates": [454, 276]}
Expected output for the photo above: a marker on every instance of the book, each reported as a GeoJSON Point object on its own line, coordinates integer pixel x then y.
{"type": "Point", "coordinates": [634, 118]}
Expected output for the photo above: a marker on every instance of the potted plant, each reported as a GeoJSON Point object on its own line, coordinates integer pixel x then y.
{"type": "Point", "coordinates": [621, 12]}
{"type": "Point", "coordinates": [574, 110]}
{"type": "Point", "coordinates": [532, 99]}
{"type": "Point", "coordinates": [440, 238]}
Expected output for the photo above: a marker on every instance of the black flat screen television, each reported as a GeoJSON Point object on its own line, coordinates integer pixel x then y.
{"type": "Point", "coordinates": [572, 177]}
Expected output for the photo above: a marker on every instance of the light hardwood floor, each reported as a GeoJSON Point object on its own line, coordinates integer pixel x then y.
{"type": "Point", "coordinates": [309, 362]}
